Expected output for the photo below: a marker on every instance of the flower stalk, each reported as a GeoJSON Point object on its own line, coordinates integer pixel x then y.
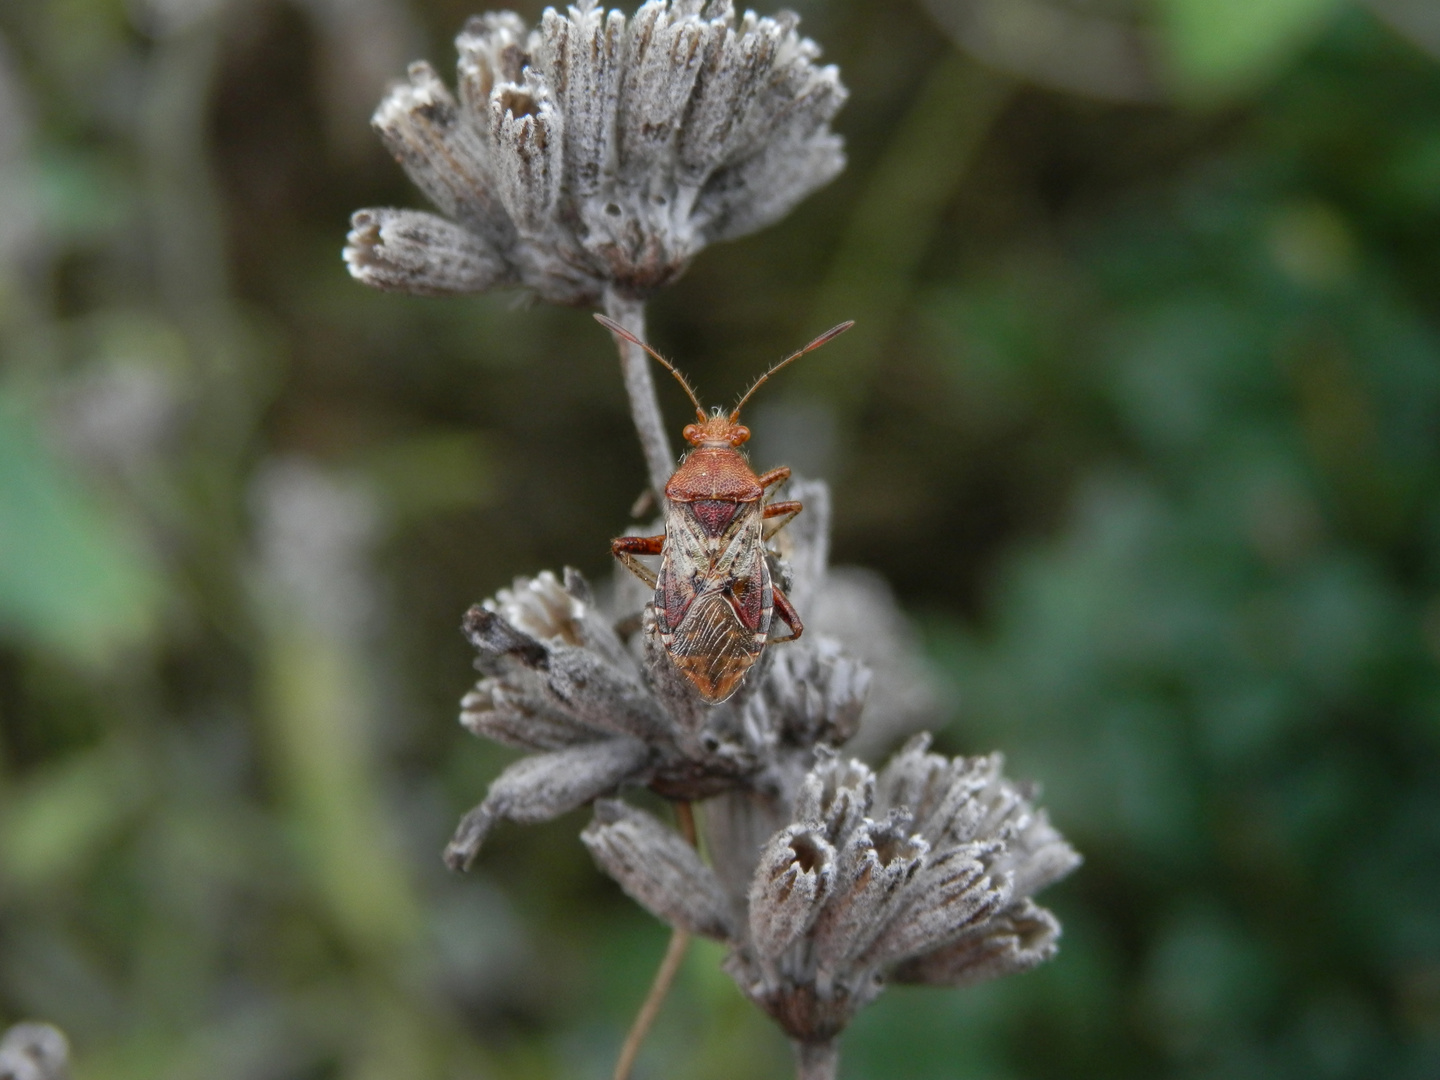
{"type": "Point", "coordinates": [664, 975]}
{"type": "Point", "coordinates": [816, 1060]}
{"type": "Point", "coordinates": [587, 160]}
{"type": "Point", "coordinates": [640, 389]}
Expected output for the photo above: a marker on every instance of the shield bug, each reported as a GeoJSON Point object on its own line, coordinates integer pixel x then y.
{"type": "Point", "coordinates": [714, 595]}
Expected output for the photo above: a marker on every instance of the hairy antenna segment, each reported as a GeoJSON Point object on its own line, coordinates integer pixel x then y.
{"type": "Point", "coordinates": [620, 331]}
{"type": "Point", "coordinates": [828, 335]}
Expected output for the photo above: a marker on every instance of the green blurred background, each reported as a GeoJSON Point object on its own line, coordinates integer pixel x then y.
{"type": "Point", "coordinates": [1141, 417]}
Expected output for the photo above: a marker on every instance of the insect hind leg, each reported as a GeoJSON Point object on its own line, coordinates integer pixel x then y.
{"type": "Point", "coordinates": [774, 476]}
{"type": "Point", "coordinates": [627, 548]}
{"type": "Point", "coordinates": [779, 514]}
{"type": "Point", "coordinates": [786, 613]}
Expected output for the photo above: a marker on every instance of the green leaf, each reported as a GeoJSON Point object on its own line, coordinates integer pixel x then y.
{"type": "Point", "coordinates": [52, 826]}
{"type": "Point", "coordinates": [1220, 47]}
{"type": "Point", "coordinates": [72, 577]}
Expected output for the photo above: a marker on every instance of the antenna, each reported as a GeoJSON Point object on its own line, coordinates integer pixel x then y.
{"type": "Point", "coordinates": [833, 332]}
{"type": "Point", "coordinates": [620, 331]}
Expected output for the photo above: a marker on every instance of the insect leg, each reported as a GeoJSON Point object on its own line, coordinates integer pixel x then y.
{"type": "Point", "coordinates": [787, 614]}
{"type": "Point", "coordinates": [625, 548]}
{"type": "Point", "coordinates": [775, 476]}
{"type": "Point", "coordinates": [778, 514]}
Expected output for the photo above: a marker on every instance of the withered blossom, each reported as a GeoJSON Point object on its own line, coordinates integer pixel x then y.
{"type": "Point", "coordinates": [826, 879]}
{"type": "Point", "coordinates": [587, 160]}
{"type": "Point", "coordinates": [32, 1051]}
{"type": "Point", "coordinates": [922, 873]}
{"type": "Point", "coordinates": [596, 153]}
{"type": "Point", "coordinates": [599, 713]}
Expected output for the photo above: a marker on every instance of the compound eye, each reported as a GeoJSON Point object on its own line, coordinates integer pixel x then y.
{"type": "Point", "coordinates": [691, 433]}
{"type": "Point", "coordinates": [739, 435]}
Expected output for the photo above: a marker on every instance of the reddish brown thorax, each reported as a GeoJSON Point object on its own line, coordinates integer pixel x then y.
{"type": "Point", "coordinates": [715, 469]}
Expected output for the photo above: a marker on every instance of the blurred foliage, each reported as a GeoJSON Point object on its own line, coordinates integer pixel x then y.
{"type": "Point", "coordinates": [69, 577]}
{"type": "Point", "coordinates": [1220, 45]}
{"type": "Point", "coordinates": [1140, 417]}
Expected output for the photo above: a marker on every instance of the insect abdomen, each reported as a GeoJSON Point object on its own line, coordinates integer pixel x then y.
{"type": "Point", "coordinates": [713, 646]}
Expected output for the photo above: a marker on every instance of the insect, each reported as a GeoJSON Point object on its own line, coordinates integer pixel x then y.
{"type": "Point", "coordinates": [714, 595]}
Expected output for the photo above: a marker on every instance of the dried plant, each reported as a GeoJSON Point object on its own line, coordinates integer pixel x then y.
{"type": "Point", "coordinates": [599, 713]}
{"type": "Point", "coordinates": [594, 152]}
{"type": "Point", "coordinates": [588, 160]}
{"type": "Point", "coordinates": [32, 1051]}
{"type": "Point", "coordinates": [922, 873]}
{"type": "Point", "coordinates": [826, 880]}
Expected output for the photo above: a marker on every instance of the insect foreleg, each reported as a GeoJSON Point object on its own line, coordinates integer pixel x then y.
{"type": "Point", "coordinates": [774, 476]}
{"type": "Point", "coordinates": [786, 614]}
{"type": "Point", "coordinates": [778, 514]}
{"type": "Point", "coordinates": [626, 548]}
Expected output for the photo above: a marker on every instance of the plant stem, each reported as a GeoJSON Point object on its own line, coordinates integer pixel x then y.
{"type": "Point", "coordinates": [644, 405]}
{"type": "Point", "coordinates": [816, 1060]}
{"type": "Point", "coordinates": [669, 966]}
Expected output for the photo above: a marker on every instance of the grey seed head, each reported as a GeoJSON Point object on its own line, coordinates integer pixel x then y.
{"type": "Point", "coordinates": [936, 890]}
{"type": "Point", "coordinates": [970, 799]}
{"type": "Point", "coordinates": [422, 254]}
{"type": "Point", "coordinates": [544, 786]}
{"type": "Point", "coordinates": [1019, 938]}
{"type": "Point", "coordinates": [876, 864]}
{"type": "Point", "coordinates": [585, 685]}
{"type": "Point", "coordinates": [659, 870]}
{"type": "Point", "coordinates": [32, 1051]}
{"type": "Point", "coordinates": [595, 153]}
{"type": "Point", "coordinates": [949, 894]}
{"type": "Point", "coordinates": [792, 882]}
{"type": "Point", "coordinates": [836, 794]}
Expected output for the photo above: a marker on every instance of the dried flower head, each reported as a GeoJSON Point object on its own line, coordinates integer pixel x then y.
{"type": "Point", "coordinates": [594, 152]}
{"type": "Point", "coordinates": [598, 713]}
{"type": "Point", "coordinates": [33, 1051]}
{"type": "Point", "coordinates": [923, 873]}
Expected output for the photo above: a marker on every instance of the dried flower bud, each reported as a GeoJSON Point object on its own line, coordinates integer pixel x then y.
{"type": "Point", "coordinates": [936, 890]}
{"type": "Point", "coordinates": [659, 870]}
{"type": "Point", "coordinates": [594, 152]}
{"type": "Point", "coordinates": [791, 884]}
{"type": "Point", "coordinates": [410, 251]}
{"type": "Point", "coordinates": [1021, 937]}
{"type": "Point", "coordinates": [968, 799]}
{"type": "Point", "coordinates": [878, 861]}
{"type": "Point", "coordinates": [544, 786]}
{"type": "Point", "coordinates": [34, 1052]}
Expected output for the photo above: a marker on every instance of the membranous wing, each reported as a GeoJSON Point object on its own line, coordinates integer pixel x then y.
{"type": "Point", "coordinates": [714, 594]}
